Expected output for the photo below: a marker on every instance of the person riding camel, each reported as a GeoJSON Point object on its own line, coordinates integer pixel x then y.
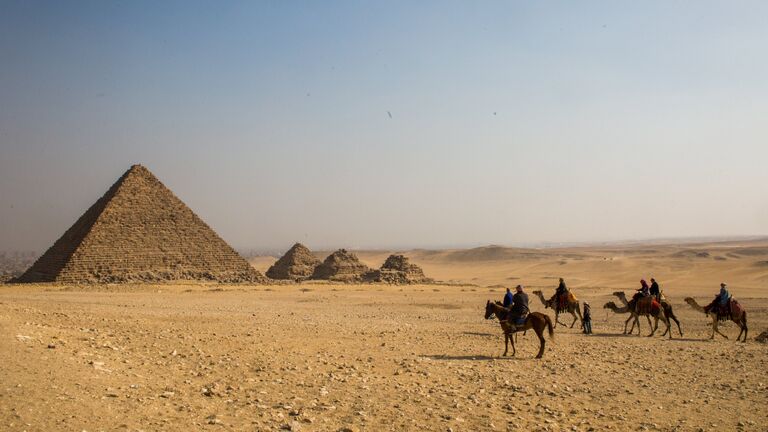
{"type": "Point", "coordinates": [643, 291]}
{"type": "Point", "coordinates": [561, 295]}
{"type": "Point", "coordinates": [655, 290]}
{"type": "Point", "coordinates": [519, 306]}
{"type": "Point", "coordinates": [508, 299]}
{"type": "Point", "coordinates": [723, 300]}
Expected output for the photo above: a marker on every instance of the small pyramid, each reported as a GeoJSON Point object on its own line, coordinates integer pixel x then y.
{"type": "Point", "coordinates": [341, 266]}
{"type": "Point", "coordinates": [297, 264]}
{"type": "Point", "coordinates": [139, 231]}
{"type": "Point", "coordinates": [397, 269]}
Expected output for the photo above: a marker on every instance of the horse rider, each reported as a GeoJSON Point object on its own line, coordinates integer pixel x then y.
{"type": "Point", "coordinates": [655, 290]}
{"type": "Point", "coordinates": [519, 305]}
{"type": "Point", "coordinates": [508, 299]}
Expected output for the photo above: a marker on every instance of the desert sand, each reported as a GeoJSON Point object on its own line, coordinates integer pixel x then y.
{"type": "Point", "coordinates": [324, 357]}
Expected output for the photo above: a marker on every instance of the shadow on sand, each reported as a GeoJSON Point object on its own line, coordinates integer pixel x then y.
{"type": "Point", "coordinates": [469, 357]}
{"type": "Point", "coordinates": [468, 333]}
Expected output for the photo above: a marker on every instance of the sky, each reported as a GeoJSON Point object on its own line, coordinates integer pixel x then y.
{"type": "Point", "coordinates": [392, 124]}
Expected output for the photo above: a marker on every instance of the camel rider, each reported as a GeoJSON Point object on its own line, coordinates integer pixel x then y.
{"type": "Point", "coordinates": [561, 288]}
{"type": "Point", "coordinates": [655, 290]}
{"type": "Point", "coordinates": [643, 291]}
{"type": "Point", "coordinates": [519, 305]}
{"type": "Point", "coordinates": [561, 295]}
{"type": "Point", "coordinates": [724, 298]}
{"type": "Point", "coordinates": [508, 299]}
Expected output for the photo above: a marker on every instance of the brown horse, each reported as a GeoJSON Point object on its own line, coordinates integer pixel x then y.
{"type": "Point", "coordinates": [535, 320]}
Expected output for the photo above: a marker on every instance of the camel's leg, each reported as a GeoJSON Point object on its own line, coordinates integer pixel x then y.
{"type": "Point", "coordinates": [627, 322]}
{"type": "Point", "coordinates": [718, 330]}
{"type": "Point", "coordinates": [574, 319]}
{"type": "Point", "coordinates": [742, 323]}
{"type": "Point", "coordinates": [557, 319]}
{"type": "Point", "coordinates": [578, 311]}
{"type": "Point", "coordinates": [654, 326]}
{"type": "Point", "coordinates": [680, 329]}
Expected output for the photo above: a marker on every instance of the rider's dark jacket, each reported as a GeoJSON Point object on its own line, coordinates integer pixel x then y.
{"type": "Point", "coordinates": [519, 305]}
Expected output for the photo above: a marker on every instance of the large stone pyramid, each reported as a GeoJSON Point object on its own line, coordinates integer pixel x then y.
{"type": "Point", "coordinates": [297, 264]}
{"type": "Point", "coordinates": [341, 266]}
{"type": "Point", "coordinates": [140, 231]}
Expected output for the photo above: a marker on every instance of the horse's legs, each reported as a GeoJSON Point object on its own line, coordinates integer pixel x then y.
{"type": "Point", "coordinates": [506, 343]}
{"type": "Point", "coordinates": [542, 342]}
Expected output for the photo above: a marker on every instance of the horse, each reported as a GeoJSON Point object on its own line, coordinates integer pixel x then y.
{"type": "Point", "coordinates": [534, 320]}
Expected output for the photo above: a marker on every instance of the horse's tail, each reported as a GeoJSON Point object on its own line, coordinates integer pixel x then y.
{"type": "Point", "coordinates": [549, 326]}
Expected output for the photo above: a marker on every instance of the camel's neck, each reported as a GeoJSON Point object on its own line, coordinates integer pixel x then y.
{"type": "Point", "coordinates": [619, 310]}
{"type": "Point", "coordinates": [623, 298]}
{"type": "Point", "coordinates": [696, 305]}
{"type": "Point", "coordinates": [541, 297]}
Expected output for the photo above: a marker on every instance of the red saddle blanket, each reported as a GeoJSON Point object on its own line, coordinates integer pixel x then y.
{"type": "Point", "coordinates": [648, 307]}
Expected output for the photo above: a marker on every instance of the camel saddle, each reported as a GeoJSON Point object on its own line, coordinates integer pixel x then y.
{"type": "Point", "coordinates": [564, 300]}
{"type": "Point", "coordinates": [730, 311]}
{"type": "Point", "coordinates": [647, 305]}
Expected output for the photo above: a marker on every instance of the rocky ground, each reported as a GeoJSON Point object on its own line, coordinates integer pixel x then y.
{"type": "Point", "coordinates": [328, 358]}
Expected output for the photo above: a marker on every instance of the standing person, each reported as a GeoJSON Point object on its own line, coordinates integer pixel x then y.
{"type": "Point", "coordinates": [508, 299]}
{"type": "Point", "coordinates": [519, 305]}
{"type": "Point", "coordinates": [587, 318]}
{"type": "Point", "coordinates": [655, 290]}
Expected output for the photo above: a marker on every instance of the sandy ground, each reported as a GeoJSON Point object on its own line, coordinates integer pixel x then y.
{"type": "Point", "coordinates": [326, 357]}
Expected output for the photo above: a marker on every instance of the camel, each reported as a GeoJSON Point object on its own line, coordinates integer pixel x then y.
{"type": "Point", "coordinates": [740, 318]}
{"type": "Point", "coordinates": [572, 307]}
{"type": "Point", "coordinates": [667, 306]}
{"type": "Point", "coordinates": [644, 307]}
{"type": "Point", "coordinates": [534, 320]}
{"type": "Point", "coordinates": [622, 310]}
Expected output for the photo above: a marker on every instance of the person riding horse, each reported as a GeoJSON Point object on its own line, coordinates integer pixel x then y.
{"type": "Point", "coordinates": [519, 308]}
{"type": "Point", "coordinates": [508, 299]}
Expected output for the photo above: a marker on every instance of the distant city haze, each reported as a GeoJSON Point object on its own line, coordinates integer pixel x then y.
{"type": "Point", "coordinates": [391, 124]}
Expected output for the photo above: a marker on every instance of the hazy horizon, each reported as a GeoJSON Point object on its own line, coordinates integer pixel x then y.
{"type": "Point", "coordinates": [391, 125]}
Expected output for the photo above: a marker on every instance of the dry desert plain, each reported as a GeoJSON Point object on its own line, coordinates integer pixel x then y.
{"type": "Point", "coordinates": [324, 357]}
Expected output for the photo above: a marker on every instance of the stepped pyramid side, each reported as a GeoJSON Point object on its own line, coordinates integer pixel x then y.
{"type": "Point", "coordinates": [341, 266]}
{"type": "Point", "coordinates": [140, 231]}
{"type": "Point", "coordinates": [397, 269]}
{"type": "Point", "coordinates": [297, 264]}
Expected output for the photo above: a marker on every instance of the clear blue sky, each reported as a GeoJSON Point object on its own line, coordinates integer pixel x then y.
{"type": "Point", "coordinates": [391, 124]}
